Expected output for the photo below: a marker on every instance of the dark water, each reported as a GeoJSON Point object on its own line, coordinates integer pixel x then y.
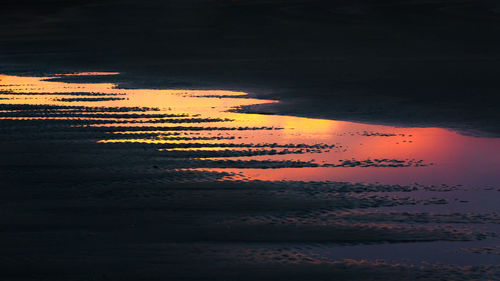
{"type": "Point", "coordinates": [418, 182]}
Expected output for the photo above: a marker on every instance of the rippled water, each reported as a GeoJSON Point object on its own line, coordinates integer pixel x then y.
{"type": "Point", "coordinates": [255, 189]}
{"type": "Point", "coordinates": [211, 128]}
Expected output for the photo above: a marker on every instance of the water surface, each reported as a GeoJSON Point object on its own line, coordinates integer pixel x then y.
{"type": "Point", "coordinates": [205, 125]}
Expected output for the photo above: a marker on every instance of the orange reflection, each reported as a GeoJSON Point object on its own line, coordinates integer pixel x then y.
{"type": "Point", "coordinates": [200, 124]}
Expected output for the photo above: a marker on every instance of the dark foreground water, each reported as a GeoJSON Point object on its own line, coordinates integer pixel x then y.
{"type": "Point", "coordinates": [167, 181]}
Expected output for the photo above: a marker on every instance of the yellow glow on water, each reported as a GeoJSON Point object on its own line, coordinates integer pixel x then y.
{"type": "Point", "coordinates": [204, 121]}
{"type": "Point", "coordinates": [24, 84]}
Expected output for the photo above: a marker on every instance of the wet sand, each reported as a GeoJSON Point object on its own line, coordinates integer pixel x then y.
{"type": "Point", "coordinates": [430, 64]}
{"type": "Point", "coordinates": [101, 182]}
{"type": "Point", "coordinates": [379, 162]}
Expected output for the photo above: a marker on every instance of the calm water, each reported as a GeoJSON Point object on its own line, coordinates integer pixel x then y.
{"type": "Point", "coordinates": [203, 130]}
{"type": "Point", "coordinates": [203, 125]}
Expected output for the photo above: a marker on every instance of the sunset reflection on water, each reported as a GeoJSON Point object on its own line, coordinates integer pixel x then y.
{"type": "Point", "coordinates": [207, 124]}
